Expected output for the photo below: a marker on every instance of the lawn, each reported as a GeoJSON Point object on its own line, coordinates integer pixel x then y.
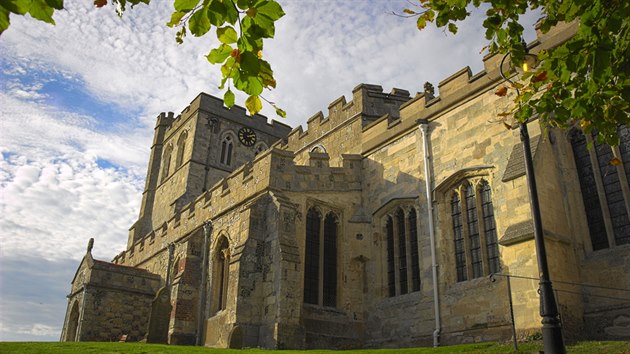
{"type": "Point", "coordinates": [140, 348]}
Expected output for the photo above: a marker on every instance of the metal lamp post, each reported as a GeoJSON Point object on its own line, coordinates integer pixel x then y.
{"type": "Point", "coordinates": [551, 327]}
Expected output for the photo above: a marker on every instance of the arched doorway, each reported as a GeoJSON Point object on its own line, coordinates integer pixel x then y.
{"type": "Point", "coordinates": [73, 323]}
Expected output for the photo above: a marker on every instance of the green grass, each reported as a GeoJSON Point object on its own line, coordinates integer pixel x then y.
{"type": "Point", "coordinates": [140, 348]}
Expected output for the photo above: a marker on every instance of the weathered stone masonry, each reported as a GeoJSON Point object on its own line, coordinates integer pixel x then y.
{"type": "Point", "coordinates": [319, 238]}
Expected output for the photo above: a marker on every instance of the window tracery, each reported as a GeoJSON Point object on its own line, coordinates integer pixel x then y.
{"type": "Point", "coordinates": [475, 246]}
{"type": "Point", "coordinates": [166, 162]}
{"type": "Point", "coordinates": [403, 257]}
{"type": "Point", "coordinates": [181, 147]}
{"type": "Point", "coordinates": [320, 264]}
{"type": "Point", "coordinates": [227, 145]}
{"type": "Point", "coordinates": [604, 186]}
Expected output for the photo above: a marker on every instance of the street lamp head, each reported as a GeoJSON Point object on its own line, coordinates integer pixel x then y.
{"type": "Point", "coordinates": [529, 62]}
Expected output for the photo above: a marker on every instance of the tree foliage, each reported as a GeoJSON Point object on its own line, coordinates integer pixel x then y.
{"type": "Point", "coordinates": [584, 81]}
{"type": "Point", "coordinates": [241, 26]}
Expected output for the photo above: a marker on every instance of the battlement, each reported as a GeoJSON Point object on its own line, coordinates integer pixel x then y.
{"type": "Point", "coordinates": [165, 119]}
{"type": "Point", "coordinates": [274, 169]}
{"type": "Point", "coordinates": [368, 103]}
{"type": "Point", "coordinates": [454, 91]}
{"type": "Point", "coordinates": [212, 107]}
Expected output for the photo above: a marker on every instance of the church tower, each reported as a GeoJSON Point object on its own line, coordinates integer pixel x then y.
{"type": "Point", "coordinates": [194, 151]}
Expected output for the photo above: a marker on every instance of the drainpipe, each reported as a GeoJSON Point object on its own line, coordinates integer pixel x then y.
{"type": "Point", "coordinates": [207, 231]}
{"type": "Point", "coordinates": [424, 127]}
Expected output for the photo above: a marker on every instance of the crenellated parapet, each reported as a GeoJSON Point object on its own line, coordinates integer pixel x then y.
{"type": "Point", "coordinates": [272, 170]}
{"type": "Point", "coordinates": [368, 103]}
{"type": "Point", "coordinates": [212, 107]}
{"type": "Point", "coordinates": [454, 92]}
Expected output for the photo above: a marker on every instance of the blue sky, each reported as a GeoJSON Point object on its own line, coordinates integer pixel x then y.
{"type": "Point", "coordinates": [78, 103]}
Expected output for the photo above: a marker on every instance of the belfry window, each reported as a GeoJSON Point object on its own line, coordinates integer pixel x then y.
{"type": "Point", "coordinates": [166, 162]}
{"type": "Point", "coordinates": [604, 172]}
{"type": "Point", "coordinates": [320, 264]}
{"type": "Point", "coordinates": [181, 147]}
{"type": "Point", "coordinates": [476, 250]}
{"type": "Point", "coordinates": [226, 150]}
{"type": "Point", "coordinates": [403, 261]}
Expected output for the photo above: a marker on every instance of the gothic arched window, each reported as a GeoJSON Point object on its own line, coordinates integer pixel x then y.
{"type": "Point", "coordinates": [166, 162]}
{"type": "Point", "coordinates": [320, 264]}
{"type": "Point", "coordinates": [602, 184]}
{"type": "Point", "coordinates": [476, 247]}
{"type": "Point", "coordinates": [311, 262]}
{"type": "Point", "coordinates": [403, 257]}
{"type": "Point", "coordinates": [490, 228]}
{"type": "Point", "coordinates": [220, 275]}
{"type": "Point", "coordinates": [458, 238]}
{"type": "Point", "coordinates": [181, 147]}
{"type": "Point", "coordinates": [226, 150]}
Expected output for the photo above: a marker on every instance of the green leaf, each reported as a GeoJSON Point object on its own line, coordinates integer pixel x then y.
{"type": "Point", "coordinates": [55, 4]}
{"type": "Point", "coordinates": [176, 17]}
{"type": "Point", "coordinates": [185, 5]}
{"type": "Point", "coordinates": [253, 104]}
{"type": "Point", "coordinates": [251, 85]}
{"type": "Point", "coordinates": [199, 24]}
{"type": "Point", "coordinates": [421, 23]}
{"type": "Point", "coordinates": [250, 63]}
{"type": "Point", "coordinates": [452, 28]}
{"type": "Point", "coordinates": [243, 4]}
{"type": "Point", "coordinates": [4, 19]}
{"type": "Point", "coordinates": [231, 14]}
{"type": "Point", "coordinates": [280, 112]}
{"type": "Point", "coordinates": [179, 36]}
{"type": "Point", "coordinates": [40, 10]}
{"type": "Point", "coordinates": [218, 55]}
{"type": "Point", "coordinates": [217, 13]}
{"type": "Point", "coordinates": [228, 99]}
{"type": "Point", "coordinates": [271, 10]}
{"type": "Point", "coordinates": [227, 35]}
{"type": "Point", "coordinates": [19, 7]}
{"type": "Point", "coordinates": [266, 74]}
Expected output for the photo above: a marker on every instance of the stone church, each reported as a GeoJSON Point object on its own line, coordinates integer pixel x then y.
{"type": "Point", "coordinates": [393, 220]}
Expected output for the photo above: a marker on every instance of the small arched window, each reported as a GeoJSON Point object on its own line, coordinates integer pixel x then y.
{"type": "Point", "coordinates": [220, 275]}
{"type": "Point", "coordinates": [226, 150]}
{"type": "Point", "coordinates": [319, 148]}
{"type": "Point", "coordinates": [181, 148]}
{"type": "Point", "coordinates": [166, 162]}
{"type": "Point", "coordinates": [260, 148]}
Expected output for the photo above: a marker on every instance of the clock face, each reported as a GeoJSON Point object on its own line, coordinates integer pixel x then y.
{"type": "Point", "coordinates": [247, 136]}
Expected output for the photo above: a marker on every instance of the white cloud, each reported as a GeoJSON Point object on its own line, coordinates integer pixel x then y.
{"type": "Point", "coordinates": [39, 329]}
{"type": "Point", "coordinates": [54, 195]}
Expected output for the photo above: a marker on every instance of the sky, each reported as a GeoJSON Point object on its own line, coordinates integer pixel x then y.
{"type": "Point", "coordinates": [78, 103]}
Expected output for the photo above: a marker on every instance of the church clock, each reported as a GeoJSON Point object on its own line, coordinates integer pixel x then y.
{"type": "Point", "coordinates": [247, 136]}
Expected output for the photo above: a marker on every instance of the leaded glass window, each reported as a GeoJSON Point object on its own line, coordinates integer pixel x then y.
{"type": "Point", "coordinates": [476, 247]}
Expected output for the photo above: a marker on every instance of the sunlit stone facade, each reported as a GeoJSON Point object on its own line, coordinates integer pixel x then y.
{"type": "Point", "coordinates": [321, 237]}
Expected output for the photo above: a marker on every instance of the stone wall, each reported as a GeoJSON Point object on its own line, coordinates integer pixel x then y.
{"type": "Point", "coordinates": [363, 161]}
